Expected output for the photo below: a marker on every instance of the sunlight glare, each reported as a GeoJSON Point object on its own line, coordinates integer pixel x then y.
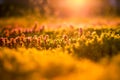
{"type": "Point", "coordinates": [75, 4]}
{"type": "Point", "coordinates": [75, 8]}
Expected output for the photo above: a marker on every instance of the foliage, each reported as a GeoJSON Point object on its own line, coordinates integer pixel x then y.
{"type": "Point", "coordinates": [99, 42]}
{"type": "Point", "coordinates": [32, 64]}
{"type": "Point", "coordinates": [70, 53]}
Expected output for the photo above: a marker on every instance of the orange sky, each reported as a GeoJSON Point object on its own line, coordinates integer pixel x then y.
{"type": "Point", "coordinates": [75, 8]}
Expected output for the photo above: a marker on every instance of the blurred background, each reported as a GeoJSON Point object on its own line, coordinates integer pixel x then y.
{"type": "Point", "coordinates": [60, 8]}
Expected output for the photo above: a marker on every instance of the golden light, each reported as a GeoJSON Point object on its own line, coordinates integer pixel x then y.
{"type": "Point", "coordinates": [75, 8]}
{"type": "Point", "coordinates": [75, 4]}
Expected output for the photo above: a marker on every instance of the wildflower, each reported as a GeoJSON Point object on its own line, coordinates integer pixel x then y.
{"type": "Point", "coordinates": [39, 41]}
{"type": "Point", "coordinates": [14, 43]}
{"type": "Point", "coordinates": [9, 44]}
{"type": "Point", "coordinates": [46, 37]}
{"type": "Point", "coordinates": [41, 37]}
{"type": "Point", "coordinates": [26, 31]}
{"type": "Point", "coordinates": [18, 39]}
{"type": "Point", "coordinates": [42, 28]}
{"type": "Point", "coordinates": [19, 31]}
{"type": "Point", "coordinates": [88, 35]}
{"type": "Point", "coordinates": [28, 41]}
{"type": "Point", "coordinates": [35, 39]}
{"type": "Point", "coordinates": [16, 31]}
{"type": "Point", "coordinates": [23, 38]}
{"type": "Point", "coordinates": [2, 42]}
{"type": "Point", "coordinates": [35, 27]}
{"type": "Point", "coordinates": [6, 41]}
{"type": "Point", "coordinates": [55, 44]}
{"type": "Point", "coordinates": [80, 32]}
{"type": "Point", "coordinates": [45, 40]}
{"type": "Point", "coordinates": [22, 35]}
{"type": "Point", "coordinates": [21, 44]}
{"type": "Point", "coordinates": [12, 40]}
{"type": "Point", "coordinates": [6, 33]}
{"type": "Point", "coordinates": [65, 37]}
{"type": "Point", "coordinates": [71, 27]}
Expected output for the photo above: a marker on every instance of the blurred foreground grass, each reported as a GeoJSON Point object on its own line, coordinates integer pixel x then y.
{"type": "Point", "coordinates": [31, 64]}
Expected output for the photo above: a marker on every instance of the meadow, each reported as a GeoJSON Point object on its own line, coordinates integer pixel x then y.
{"type": "Point", "coordinates": [64, 51]}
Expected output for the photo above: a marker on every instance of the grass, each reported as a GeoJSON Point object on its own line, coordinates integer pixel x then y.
{"type": "Point", "coordinates": [32, 64]}
{"type": "Point", "coordinates": [59, 50]}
